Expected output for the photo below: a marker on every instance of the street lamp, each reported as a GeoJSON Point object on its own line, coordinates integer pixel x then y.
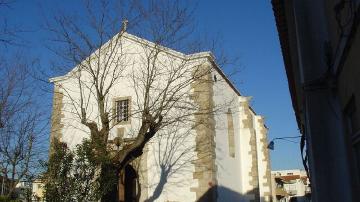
{"type": "Point", "coordinates": [272, 143]}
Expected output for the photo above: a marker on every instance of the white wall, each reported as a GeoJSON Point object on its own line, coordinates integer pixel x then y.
{"type": "Point", "coordinates": [178, 185]}
{"type": "Point", "coordinates": [232, 172]}
{"type": "Point", "coordinates": [229, 175]}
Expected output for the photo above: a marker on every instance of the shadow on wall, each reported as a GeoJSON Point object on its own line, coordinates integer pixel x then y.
{"type": "Point", "coordinates": [215, 193]}
{"type": "Point", "coordinates": [160, 186]}
{"type": "Point", "coordinates": [224, 194]}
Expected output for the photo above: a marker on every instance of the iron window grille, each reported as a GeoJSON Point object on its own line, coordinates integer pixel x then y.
{"type": "Point", "coordinates": [122, 110]}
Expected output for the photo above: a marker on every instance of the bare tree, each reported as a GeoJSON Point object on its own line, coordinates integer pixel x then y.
{"type": "Point", "coordinates": [21, 128]}
{"type": "Point", "coordinates": [21, 121]}
{"type": "Point", "coordinates": [9, 34]}
{"type": "Point", "coordinates": [162, 79]}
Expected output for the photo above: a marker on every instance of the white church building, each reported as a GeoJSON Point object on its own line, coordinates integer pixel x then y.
{"type": "Point", "coordinates": [225, 158]}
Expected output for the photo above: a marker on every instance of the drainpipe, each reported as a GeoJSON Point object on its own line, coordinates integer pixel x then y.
{"type": "Point", "coordinates": [324, 130]}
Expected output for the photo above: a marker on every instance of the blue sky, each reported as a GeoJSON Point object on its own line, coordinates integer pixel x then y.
{"type": "Point", "coordinates": [247, 30]}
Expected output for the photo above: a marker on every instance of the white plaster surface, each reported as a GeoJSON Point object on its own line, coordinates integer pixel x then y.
{"type": "Point", "coordinates": [232, 173]}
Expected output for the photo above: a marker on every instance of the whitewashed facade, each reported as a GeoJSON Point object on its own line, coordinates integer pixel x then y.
{"type": "Point", "coordinates": [234, 137]}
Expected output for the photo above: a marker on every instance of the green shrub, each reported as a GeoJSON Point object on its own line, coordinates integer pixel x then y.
{"type": "Point", "coordinates": [7, 199]}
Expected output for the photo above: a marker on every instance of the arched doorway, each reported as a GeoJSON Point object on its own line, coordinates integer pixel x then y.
{"type": "Point", "coordinates": [128, 185]}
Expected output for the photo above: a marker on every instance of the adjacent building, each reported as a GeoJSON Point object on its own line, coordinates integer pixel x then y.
{"type": "Point", "coordinates": [320, 42]}
{"type": "Point", "coordinates": [30, 191]}
{"type": "Point", "coordinates": [37, 190]}
{"type": "Point", "coordinates": [226, 155]}
{"type": "Point", "coordinates": [288, 185]}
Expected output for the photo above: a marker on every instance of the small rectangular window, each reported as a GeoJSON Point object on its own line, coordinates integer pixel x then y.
{"type": "Point", "coordinates": [122, 110]}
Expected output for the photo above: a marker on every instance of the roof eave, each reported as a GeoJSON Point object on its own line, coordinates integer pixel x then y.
{"type": "Point", "coordinates": [282, 27]}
